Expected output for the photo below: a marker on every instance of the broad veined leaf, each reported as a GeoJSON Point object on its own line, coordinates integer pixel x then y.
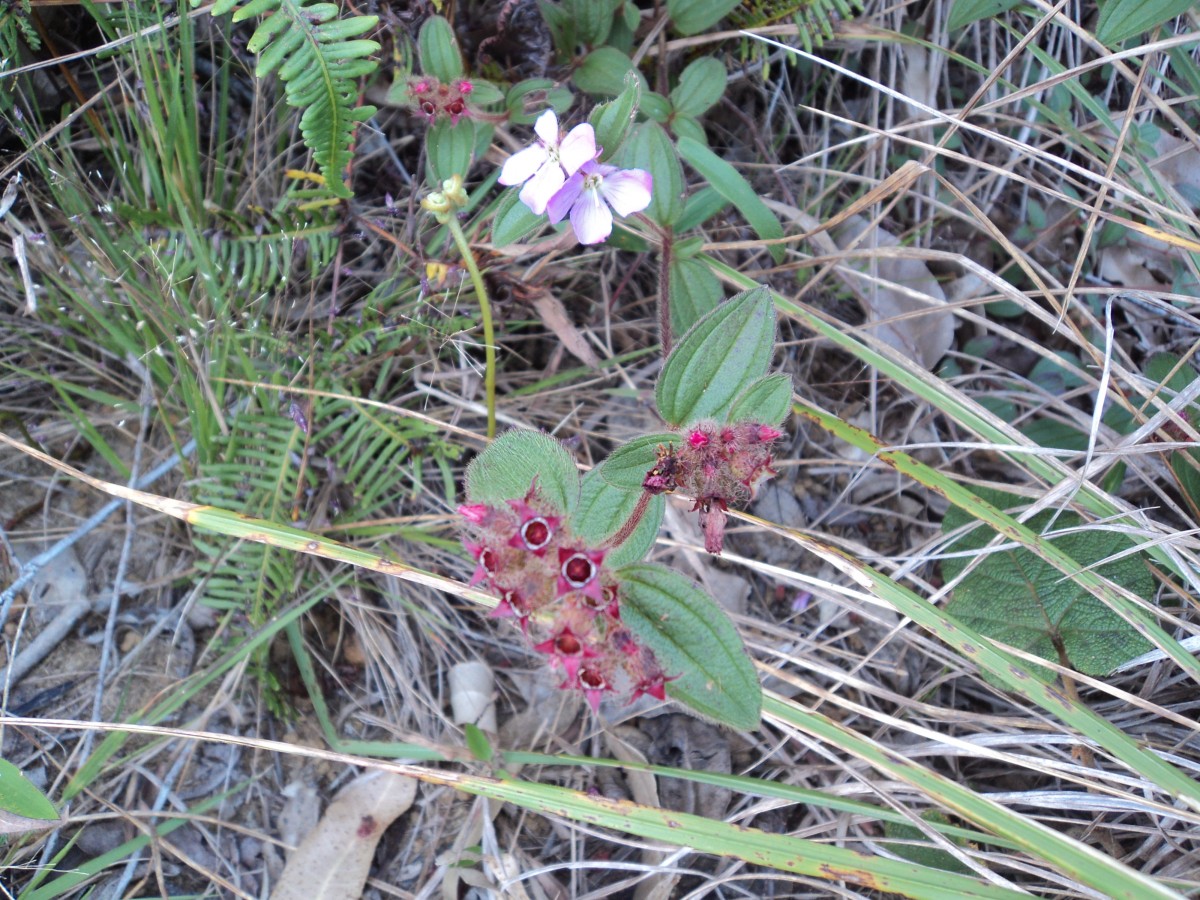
{"type": "Point", "coordinates": [440, 56]}
{"type": "Point", "coordinates": [700, 207]}
{"type": "Point", "coordinates": [651, 149]}
{"type": "Point", "coordinates": [611, 120]}
{"type": "Point", "coordinates": [730, 184]}
{"type": "Point", "coordinates": [701, 85]}
{"type": "Point", "coordinates": [22, 806]}
{"type": "Point", "coordinates": [603, 72]}
{"type": "Point", "coordinates": [626, 467]}
{"type": "Point", "coordinates": [1121, 19]}
{"type": "Point", "coordinates": [513, 220]}
{"type": "Point", "coordinates": [450, 149]}
{"type": "Point", "coordinates": [604, 509]}
{"type": "Point", "coordinates": [693, 639]}
{"type": "Point", "coordinates": [693, 16]}
{"type": "Point", "coordinates": [1015, 597]}
{"type": "Point", "coordinates": [695, 292]}
{"type": "Point", "coordinates": [723, 354]}
{"type": "Point", "coordinates": [510, 465]}
{"type": "Point", "coordinates": [767, 400]}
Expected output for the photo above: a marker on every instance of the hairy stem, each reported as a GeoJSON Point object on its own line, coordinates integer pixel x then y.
{"type": "Point", "coordinates": [485, 310]}
{"type": "Point", "coordinates": [627, 529]}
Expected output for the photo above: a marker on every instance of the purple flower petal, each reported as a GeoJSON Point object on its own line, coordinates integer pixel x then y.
{"type": "Point", "coordinates": [542, 187]}
{"type": "Point", "coordinates": [577, 148]}
{"type": "Point", "coordinates": [560, 204]}
{"type": "Point", "coordinates": [546, 128]}
{"type": "Point", "coordinates": [591, 218]}
{"type": "Point", "coordinates": [521, 166]}
{"type": "Point", "coordinates": [627, 191]}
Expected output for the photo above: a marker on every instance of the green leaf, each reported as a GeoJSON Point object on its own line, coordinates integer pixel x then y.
{"type": "Point", "coordinates": [1016, 597]}
{"type": "Point", "coordinates": [730, 184]}
{"type": "Point", "coordinates": [20, 798]}
{"type": "Point", "coordinates": [656, 107]}
{"type": "Point", "coordinates": [449, 149]}
{"type": "Point", "coordinates": [513, 220]}
{"type": "Point", "coordinates": [719, 358]}
{"type": "Point", "coordinates": [603, 72]}
{"type": "Point", "coordinates": [964, 12]}
{"type": "Point", "coordinates": [526, 100]}
{"type": "Point", "coordinates": [693, 639]}
{"type": "Point", "coordinates": [478, 743]}
{"type": "Point", "coordinates": [695, 292]}
{"type": "Point", "coordinates": [593, 19]}
{"type": "Point", "coordinates": [604, 509]}
{"type": "Point", "coordinates": [921, 851]}
{"type": "Point", "coordinates": [693, 16]}
{"type": "Point", "coordinates": [626, 467]}
{"type": "Point", "coordinates": [440, 56]}
{"type": "Point", "coordinates": [767, 401]}
{"type": "Point", "coordinates": [701, 85]}
{"type": "Point", "coordinates": [700, 207]}
{"type": "Point", "coordinates": [510, 465]}
{"type": "Point", "coordinates": [611, 120]}
{"type": "Point", "coordinates": [682, 126]}
{"type": "Point", "coordinates": [1121, 19]}
{"type": "Point", "coordinates": [651, 149]}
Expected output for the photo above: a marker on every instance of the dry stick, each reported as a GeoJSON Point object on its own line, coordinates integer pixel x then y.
{"type": "Point", "coordinates": [62, 625]}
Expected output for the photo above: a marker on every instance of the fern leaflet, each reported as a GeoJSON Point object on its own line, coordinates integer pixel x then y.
{"type": "Point", "coordinates": [319, 61]}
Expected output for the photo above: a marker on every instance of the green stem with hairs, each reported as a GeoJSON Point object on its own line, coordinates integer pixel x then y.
{"type": "Point", "coordinates": [485, 310]}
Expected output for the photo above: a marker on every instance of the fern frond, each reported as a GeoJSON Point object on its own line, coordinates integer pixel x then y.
{"type": "Point", "coordinates": [319, 62]}
{"type": "Point", "coordinates": [815, 18]}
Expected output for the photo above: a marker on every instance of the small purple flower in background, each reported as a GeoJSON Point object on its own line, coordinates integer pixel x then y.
{"type": "Point", "coordinates": [544, 167]}
{"type": "Point", "coordinates": [588, 194]}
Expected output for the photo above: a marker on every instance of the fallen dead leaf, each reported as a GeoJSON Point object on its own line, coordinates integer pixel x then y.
{"type": "Point", "coordinates": [333, 861]}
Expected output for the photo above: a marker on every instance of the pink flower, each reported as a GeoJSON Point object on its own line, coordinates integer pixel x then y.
{"type": "Point", "coordinates": [578, 571]}
{"type": "Point", "coordinates": [544, 167]}
{"type": "Point", "coordinates": [588, 194]}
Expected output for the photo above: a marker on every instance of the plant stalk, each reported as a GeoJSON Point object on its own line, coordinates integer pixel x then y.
{"type": "Point", "coordinates": [485, 311]}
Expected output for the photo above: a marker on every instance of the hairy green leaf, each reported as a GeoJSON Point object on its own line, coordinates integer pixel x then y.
{"type": "Point", "coordinates": [440, 56]}
{"type": "Point", "coordinates": [701, 85]}
{"type": "Point", "coordinates": [695, 292]}
{"type": "Point", "coordinates": [514, 462]}
{"type": "Point", "coordinates": [626, 467]}
{"type": "Point", "coordinates": [719, 358]}
{"type": "Point", "coordinates": [768, 401]}
{"type": "Point", "coordinates": [693, 639]}
{"type": "Point", "coordinates": [513, 220]}
{"type": "Point", "coordinates": [1016, 597]}
{"type": "Point", "coordinates": [693, 16]}
{"type": "Point", "coordinates": [651, 149]}
{"type": "Point", "coordinates": [603, 72]}
{"type": "Point", "coordinates": [611, 120]}
{"type": "Point", "coordinates": [604, 509]}
{"type": "Point", "coordinates": [730, 184]}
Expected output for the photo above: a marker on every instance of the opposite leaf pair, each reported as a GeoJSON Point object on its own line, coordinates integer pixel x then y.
{"type": "Point", "coordinates": [562, 554]}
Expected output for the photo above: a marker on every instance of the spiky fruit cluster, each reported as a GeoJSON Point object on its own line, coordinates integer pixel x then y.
{"type": "Point", "coordinates": [565, 599]}
{"type": "Point", "coordinates": [434, 99]}
{"type": "Point", "coordinates": [718, 465]}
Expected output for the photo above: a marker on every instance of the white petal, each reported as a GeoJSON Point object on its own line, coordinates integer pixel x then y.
{"type": "Point", "coordinates": [591, 219]}
{"type": "Point", "coordinates": [519, 167]}
{"type": "Point", "coordinates": [627, 191]}
{"type": "Point", "coordinates": [546, 127]}
{"type": "Point", "coordinates": [541, 187]}
{"type": "Point", "coordinates": [577, 148]}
